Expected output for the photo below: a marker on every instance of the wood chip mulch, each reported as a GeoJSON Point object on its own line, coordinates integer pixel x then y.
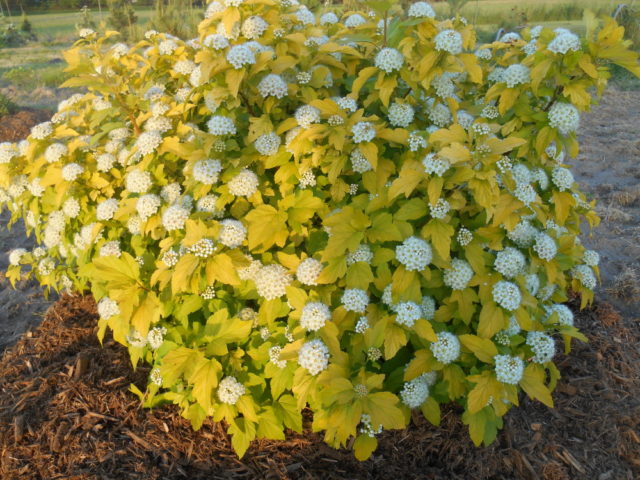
{"type": "Point", "coordinates": [17, 126]}
{"type": "Point", "coordinates": [66, 413]}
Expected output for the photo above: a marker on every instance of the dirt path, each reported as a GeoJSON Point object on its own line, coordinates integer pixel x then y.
{"type": "Point", "coordinates": [608, 167]}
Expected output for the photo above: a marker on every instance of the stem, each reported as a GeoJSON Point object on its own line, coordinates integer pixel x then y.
{"type": "Point", "coordinates": [386, 15]}
{"type": "Point", "coordinates": [556, 93]}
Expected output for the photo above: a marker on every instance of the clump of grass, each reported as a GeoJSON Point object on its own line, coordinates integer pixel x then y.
{"type": "Point", "coordinates": [6, 106]}
{"type": "Point", "coordinates": [626, 285]}
{"type": "Point", "coordinates": [35, 76]}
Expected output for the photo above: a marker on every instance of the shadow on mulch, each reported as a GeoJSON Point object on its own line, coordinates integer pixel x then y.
{"type": "Point", "coordinates": [17, 126]}
{"type": "Point", "coordinates": [65, 412]}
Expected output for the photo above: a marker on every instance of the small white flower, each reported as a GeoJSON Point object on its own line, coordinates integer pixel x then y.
{"type": "Point", "coordinates": [314, 356]}
{"type": "Point", "coordinates": [414, 253]}
{"type": "Point", "coordinates": [244, 184]}
{"type": "Point", "coordinates": [507, 295]}
{"type": "Point", "coordinates": [355, 300]}
{"type": "Point", "coordinates": [447, 347]}
{"type": "Point", "coordinates": [314, 316]}
{"type": "Point", "coordinates": [389, 60]}
{"type": "Point", "coordinates": [232, 233]}
{"type": "Point", "coordinates": [449, 41]}
{"type": "Point", "coordinates": [230, 390]}
{"type": "Point", "coordinates": [509, 369]}
{"type": "Point", "coordinates": [308, 271]}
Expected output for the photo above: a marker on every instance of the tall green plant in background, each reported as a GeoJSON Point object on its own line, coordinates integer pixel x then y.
{"type": "Point", "coordinates": [86, 20]}
{"type": "Point", "coordinates": [629, 17]}
{"type": "Point", "coordinates": [176, 17]}
{"type": "Point", "coordinates": [122, 17]}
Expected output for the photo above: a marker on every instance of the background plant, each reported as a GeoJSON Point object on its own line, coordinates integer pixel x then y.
{"type": "Point", "coordinates": [365, 217]}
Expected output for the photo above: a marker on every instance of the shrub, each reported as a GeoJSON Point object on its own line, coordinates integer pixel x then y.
{"type": "Point", "coordinates": [297, 210]}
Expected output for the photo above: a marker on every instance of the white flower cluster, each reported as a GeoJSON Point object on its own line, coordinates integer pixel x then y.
{"type": "Point", "coordinates": [147, 205]}
{"type": "Point", "coordinates": [545, 246]}
{"type": "Point", "coordinates": [564, 313]}
{"type": "Point", "coordinates": [407, 313]}
{"type": "Point", "coordinates": [564, 42]}
{"type": "Point", "coordinates": [565, 117]}
{"type": "Point", "coordinates": [16, 255]}
{"type": "Point", "coordinates": [362, 325]}
{"type": "Point", "coordinates": [314, 316]}
{"type": "Point", "coordinates": [562, 178]}
{"type": "Point", "coordinates": [363, 132]}
{"type": "Point", "coordinates": [439, 114]}
{"type": "Point", "coordinates": [107, 209]}
{"type": "Point", "coordinates": [459, 275]}
{"type": "Point", "coordinates": [52, 154]}
{"type": "Point", "coordinates": [155, 337]}
{"type": "Point", "coordinates": [416, 142]}
{"type": "Point", "coordinates": [414, 253]}
{"type": "Point", "coordinates": [138, 181]}
{"type": "Point", "coordinates": [308, 271]}
{"type": "Point", "coordinates": [273, 85]}
{"type": "Point", "coordinates": [449, 41]}
{"type": "Point", "coordinates": [253, 27]}
{"type": "Point", "coordinates": [464, 237]}
{"type": "Point", "coordinates": [110, 249]}
{"type": "Point", "coordinates": [220, 125]}
{"type": "Point", "coordinates": [230, 390]}
{"type": "Point", "coordinates": [232, 233]}
{"type": "Point", "coordinates": [516, 74]}
{"type": "Point", "coordinates": [366, 427]}
{"type": "Point", "coordinates": [400, 114]}
{"type": "Point", "coordinates": [203, 248]}
{"type": "Point", "coordinates": [447, 348]}
{"type": "Point", "coordinates": [355, 300]}
{"type": "Point", "coordinates": [271, 281]}
{"type": "Point", "coordinates": [306, 115]}
{"type": "Point", "coordinates": [175, 217]}
{"type": "Point", "coordinates": [359, 163]}
{"type": "Point", "coordinates": [591, 258]}
{"type": "Point", "coordinates": [354, 20]}
{"type": "Point", "coordinates": [274, 357]}
{"type": "Point", "coordinates": [440, 209]}
{"type": "Point", "coordinates": [510, 262]}
{"type": "Point", "coordinates": [268, 144]}
{"type": "Point", "coordinates": [509, 369]}
{"type": "Point", "coordinates": [503, 337]}
{"type": "Point", "coordinates": [362, 254]}
{"type": "Point", "coordinates": [209, 293]}
{"type": "Point", "coordinates": [148, 142]}
{"type": "Point", "coordinates": [434, 165]}
{"type": "Point", "coordinates": [41, 130]}
{"type": "Point", "coordinates": [542, 345]}
{"type": "Point", "coordinates": [108, 308]}
{"type": "Point", "coordinates": [240, 55]}
{"type": "Point", "coordinates": [585, 275]}
{"type": "Point", "coordinates": [414, 393]}
{"type": "Point", "coordinates": [314, 356]}
{"type": "Point", "coordinates": [421, 10]}
{"type": "Point", "coordinates": [507, 295]}
{"type": "Point", "coordinates": [389, 60]}
{"type": "Point", "coordinates": [244, 184]}
{"type": "Point", "coordinates": [524, 234]}
{"type": "Point", "coordinates": [207, 171]}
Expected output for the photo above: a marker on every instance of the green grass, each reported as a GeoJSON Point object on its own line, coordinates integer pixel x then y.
{"type": "Point", "coordinates": [60, 27]}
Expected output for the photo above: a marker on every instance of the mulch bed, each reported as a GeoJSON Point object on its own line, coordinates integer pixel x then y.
{"type": "Point", "coordinates": [17, 126]}
{"type": "Point", "coordinates": [66, 413]}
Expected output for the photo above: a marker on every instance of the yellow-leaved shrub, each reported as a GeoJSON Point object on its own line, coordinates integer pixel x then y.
{"type": "Point", "coordinates": [328, 210]}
